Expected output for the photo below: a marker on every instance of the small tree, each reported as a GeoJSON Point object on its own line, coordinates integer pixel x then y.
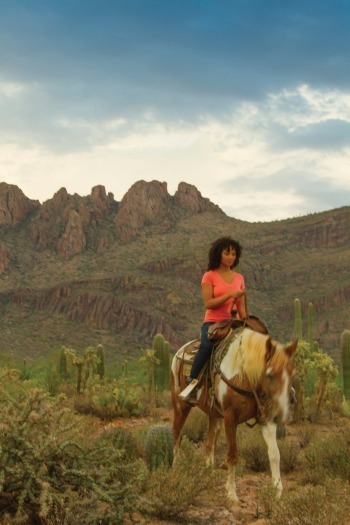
{"type": "Point", "coordinates": [327, 373]}
{"type": "Point", "coordinates": [84, 363]}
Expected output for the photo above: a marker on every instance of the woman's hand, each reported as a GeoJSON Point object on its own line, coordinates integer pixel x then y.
{"type": "Point", "coordinates": [236, 294]}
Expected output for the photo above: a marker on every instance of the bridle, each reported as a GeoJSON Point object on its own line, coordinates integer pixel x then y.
{"type": "Point", "coordinates": [263, 399]}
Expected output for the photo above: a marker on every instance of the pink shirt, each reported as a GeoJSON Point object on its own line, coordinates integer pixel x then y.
{"type": "Point", "coordinates": [220, 287]}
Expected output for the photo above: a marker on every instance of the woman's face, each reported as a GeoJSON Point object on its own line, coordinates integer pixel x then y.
{"type": "Point", "coordinates": [228, 257]}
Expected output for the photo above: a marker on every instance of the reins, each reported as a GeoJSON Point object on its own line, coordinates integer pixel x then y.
{"type": "Point", "coordinates": [252, 394]}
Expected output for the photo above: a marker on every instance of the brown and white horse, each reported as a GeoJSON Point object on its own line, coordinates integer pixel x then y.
{"type": "Point", "coordinates": [254, 381]}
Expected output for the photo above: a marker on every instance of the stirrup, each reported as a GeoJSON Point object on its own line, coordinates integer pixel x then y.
{"type": "Point", "coordinates": [187, 391]}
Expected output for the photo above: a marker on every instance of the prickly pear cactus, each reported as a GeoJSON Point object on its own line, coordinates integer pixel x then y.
{"type": "Point", "coordinates": [159, 447]}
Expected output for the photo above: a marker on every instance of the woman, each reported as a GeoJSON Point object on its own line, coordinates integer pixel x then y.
{"type": "Point", "coordinates": [223, 289]}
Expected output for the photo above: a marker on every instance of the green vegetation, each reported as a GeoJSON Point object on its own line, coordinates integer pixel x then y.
{"type": "Point", "coordinates": [345, 353]}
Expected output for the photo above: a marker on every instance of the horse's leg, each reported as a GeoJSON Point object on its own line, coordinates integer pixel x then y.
{"type": "Point", "coordinates": [181, 411]}
{"type": "Point", "coordinates": [232, 455]}
{"type": "Point", "coordinates": [215, 425]}
{"type": "Point", "coordinates": [269, 433]}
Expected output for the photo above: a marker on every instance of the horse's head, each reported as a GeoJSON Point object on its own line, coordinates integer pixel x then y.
{"type": "Point", "coordinates": [277, 382]}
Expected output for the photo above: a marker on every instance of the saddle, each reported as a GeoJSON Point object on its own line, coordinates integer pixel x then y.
{"type": "Point", "coordinates": [219, 330]}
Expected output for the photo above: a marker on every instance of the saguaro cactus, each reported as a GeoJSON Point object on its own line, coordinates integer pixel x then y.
{"type": "Point", "coordinates": [297, 319]}
{"type": "Point", "coordinates": [159, 447]}
{"type": "Point", "coordinates": [345, 352]}
{"type": "Point", "coordinates": [100, 368]}
{"type": "Point", "coordinates": [63, 364]}
{"type": "Point", "coordinates": [310, 326]}
{"type": "Point", "coordinates": [161, 369]}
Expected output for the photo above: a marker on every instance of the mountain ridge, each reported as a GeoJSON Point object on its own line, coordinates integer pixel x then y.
{"type": "Point", "coordinates": [126, 270]}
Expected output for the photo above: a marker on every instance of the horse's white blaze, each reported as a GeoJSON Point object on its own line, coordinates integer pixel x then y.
{"type": "Point", "coordinates": [284, 398]}
{"type": "Point", "coordinates": [269, 433]}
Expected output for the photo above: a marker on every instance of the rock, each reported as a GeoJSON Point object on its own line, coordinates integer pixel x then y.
{"type": "Point", "coordinates": [150, 203]}
{"type": "Point", "coordinates": [189, 198]}
{"type": "Point", "coordinates": [14, 205]}
{"type": "Point", "coordinates": [73, 240]}
{"type": "Point", "coordinates": [145, 202]}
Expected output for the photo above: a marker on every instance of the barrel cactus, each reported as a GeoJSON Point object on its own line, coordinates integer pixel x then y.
{"type": "Point", "coordinates": [159, 447]}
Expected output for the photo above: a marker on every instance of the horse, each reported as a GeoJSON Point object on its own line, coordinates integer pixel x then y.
{"type": "Point", "coordinates": [253, 381]}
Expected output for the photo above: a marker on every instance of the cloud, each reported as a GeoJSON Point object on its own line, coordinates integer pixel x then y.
{"type": "Point", "coordinates": [229, 96]}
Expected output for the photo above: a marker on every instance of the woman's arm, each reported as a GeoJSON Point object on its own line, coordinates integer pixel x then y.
{"type": "Point", "coordinates": [242, 307]}
{"type": "Point", "coordinates": [211, 302]}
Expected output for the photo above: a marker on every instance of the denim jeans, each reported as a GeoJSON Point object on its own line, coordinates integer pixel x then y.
{"type": "Point", "coordinates": [203, 353]}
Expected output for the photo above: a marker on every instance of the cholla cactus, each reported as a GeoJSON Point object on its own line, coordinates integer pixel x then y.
{"type": "Point", "coordinates": [159, 447]}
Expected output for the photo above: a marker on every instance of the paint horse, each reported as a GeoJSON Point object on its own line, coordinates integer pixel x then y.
{"type": "Point", "coordinates": [253, 381]}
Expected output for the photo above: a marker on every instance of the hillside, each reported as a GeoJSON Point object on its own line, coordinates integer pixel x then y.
{"type": "Point", "coordinates": [83, 270]}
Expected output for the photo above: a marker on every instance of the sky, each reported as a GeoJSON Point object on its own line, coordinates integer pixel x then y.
{"type": "Point", "coordinates": [248, 100]}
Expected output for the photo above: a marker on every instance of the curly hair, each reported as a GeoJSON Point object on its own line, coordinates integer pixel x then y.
{"type": "Point", "coordinates": [214, 255]}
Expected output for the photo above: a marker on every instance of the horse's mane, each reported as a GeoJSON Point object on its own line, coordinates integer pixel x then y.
{"type": "Point", "coordinates": [249, 359]}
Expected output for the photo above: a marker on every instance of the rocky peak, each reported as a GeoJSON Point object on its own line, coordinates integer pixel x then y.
{"type": "Point", "coordinates": [73, 240]}
{"type": "Point", "coordinates": [60, 198]}
{"type": "Point", "coordinates": [98, 193]}
{"type": "Point", "coordinates": [14, 205]}
{"type": "Point", "coordinates": [150, 202]}
{"type": "Point", "coordinates": [145, 202]}
{"type": "Point", "coordinates": [189, 198]}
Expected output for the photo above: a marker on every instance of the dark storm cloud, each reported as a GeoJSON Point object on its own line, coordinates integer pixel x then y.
{"type": "Point", "coordinates": [196, 55]}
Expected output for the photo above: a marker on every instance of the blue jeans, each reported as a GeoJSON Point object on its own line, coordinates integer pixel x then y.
{"type": "Point", "coordinates": [203, 353]}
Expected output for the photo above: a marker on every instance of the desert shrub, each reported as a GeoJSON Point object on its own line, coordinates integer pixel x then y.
{"type": "Point", "coordinates": [330, 457]}
{"type": "Point", "coordinates": [305, 435]}
{"type": "Point", "coordinates": [121, 439]}
{"type": "Point", "coordinates": [253, 451]}
{"type": "Point", "coordinates": [289, 455]}
{"type": "Point", "coordinates": [326, 504]}
{"type": "Point", "coordinates": [110, 399]}
{"type": "Point", "coordinates": [196, 426]}
{"type": "Point", "coordinates": [172, 491]}
{"type": "Point", "coordinates": [49, 475]}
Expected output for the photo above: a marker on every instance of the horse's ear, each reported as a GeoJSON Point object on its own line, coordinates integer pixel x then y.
{"type": "Point", "coordinates": [270, 349]}
{"type": "Point", "coordinates": [290, 349]}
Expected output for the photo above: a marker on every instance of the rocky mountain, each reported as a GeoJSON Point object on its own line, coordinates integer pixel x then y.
{"type": "Point", "coordinates": [84, 270]}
